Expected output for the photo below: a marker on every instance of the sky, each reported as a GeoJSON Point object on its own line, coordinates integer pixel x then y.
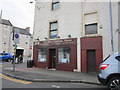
{"type": "Point", "coordinates": [19, 12]}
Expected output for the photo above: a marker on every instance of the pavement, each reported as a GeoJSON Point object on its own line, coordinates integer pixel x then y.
{"type": "Point", "coordinates": [46, 75]}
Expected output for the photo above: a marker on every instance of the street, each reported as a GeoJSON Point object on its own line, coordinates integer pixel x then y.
{"type": "Point", "coordinates": [10, 84]}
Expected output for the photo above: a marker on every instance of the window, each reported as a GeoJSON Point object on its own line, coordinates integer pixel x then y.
{"type": "Point", "coordinates": [64, 55]}
{"type": "Point", "coordinates": [53, 29]}
{"type": "Point", "coordinates": [91, 29]}
{"type": "Point", "coordinates": [41, 55]}
{"type": "Point", "coordinates": [6, 27]}
{"type": "Point", "coordinates": [55, 4]}
{"type": "Point", "coordinates": [118, 58]}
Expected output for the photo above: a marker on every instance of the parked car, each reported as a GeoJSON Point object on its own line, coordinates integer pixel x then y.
{"type": "Point", "coordinates": [109, 72]}
{"type": "Point", "coordinates": [6, 57]}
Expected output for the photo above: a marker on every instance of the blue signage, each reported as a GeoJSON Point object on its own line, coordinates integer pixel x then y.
{"type": "Point", "coordinates": [16, 36]}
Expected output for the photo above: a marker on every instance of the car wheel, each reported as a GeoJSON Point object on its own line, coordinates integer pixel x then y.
{"type": "Point", "coordinates": [8, 60]}
{"type": "Point", "coordinates": [114, 83]}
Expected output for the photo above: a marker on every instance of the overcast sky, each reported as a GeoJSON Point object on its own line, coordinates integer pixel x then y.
{"type": "Point", "coordinates": [19, 12]}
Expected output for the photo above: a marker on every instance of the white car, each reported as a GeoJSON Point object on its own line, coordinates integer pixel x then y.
{"type": "Point", "coordinates": [109, 72]}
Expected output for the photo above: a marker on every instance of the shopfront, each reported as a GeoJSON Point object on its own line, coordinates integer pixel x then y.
{"type": "Point", "coordinates": [60, 54]}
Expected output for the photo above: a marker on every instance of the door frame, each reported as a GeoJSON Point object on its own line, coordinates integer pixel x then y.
{"type": "Point", "coordinates": [90, 61]}
{"type": "Point", "coordinates": [52, 63]}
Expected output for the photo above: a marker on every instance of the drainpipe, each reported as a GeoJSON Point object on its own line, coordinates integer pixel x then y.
{"type": "Point", "coordinates": [111, 26]}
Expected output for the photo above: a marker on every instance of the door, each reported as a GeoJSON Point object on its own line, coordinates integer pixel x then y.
{"type": "Point", "coordinates": [91, 61]}
{"type": "Point", "coordinates": [52, 58]}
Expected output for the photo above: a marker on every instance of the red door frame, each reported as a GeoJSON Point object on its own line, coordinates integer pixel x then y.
{"type": "Point", "coordinates": [91, 43]}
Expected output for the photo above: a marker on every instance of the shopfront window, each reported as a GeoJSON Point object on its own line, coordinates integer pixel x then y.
{"type": "Point", "coordinates": [41, 55]}
{"type": "Point", "coordinates": [64, 55]}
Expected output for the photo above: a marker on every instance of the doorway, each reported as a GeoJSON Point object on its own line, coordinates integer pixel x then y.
{"type": "Point", "coordinates": [52, 58]}
{"type": "Point", "coordinates": [91, 61]}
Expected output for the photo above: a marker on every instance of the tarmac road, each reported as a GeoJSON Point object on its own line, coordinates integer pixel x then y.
{"type": "Point", "coordinates": [14, 84]}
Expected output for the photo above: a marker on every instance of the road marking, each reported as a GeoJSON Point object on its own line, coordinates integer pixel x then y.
{"type": "Point", "coordinates": [14, 80]}
{"type": "Point", "coordinates": [55, 86]}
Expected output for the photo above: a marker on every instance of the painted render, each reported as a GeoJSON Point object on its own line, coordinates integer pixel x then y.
{"type": "Point", "coordinates": [72, 17]}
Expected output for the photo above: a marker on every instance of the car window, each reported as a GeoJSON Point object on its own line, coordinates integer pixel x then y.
{"type": "Point", "coordinates": [118, 58]}
{"type": "Point", "coordinates": [5, 54]}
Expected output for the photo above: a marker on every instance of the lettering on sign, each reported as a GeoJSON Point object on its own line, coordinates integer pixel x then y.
{"type": "Point", "coordinates": [52, 42]}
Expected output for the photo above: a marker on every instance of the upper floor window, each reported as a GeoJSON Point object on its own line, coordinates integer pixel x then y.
{"type": "Point", "coordinates": [91, 29]}
{"type": "Point", "coordinates": [53, 29]}
{"type": "Point", "coordinates": [6, 27]}
{"type": "Point", "coordinates": [55, 4]}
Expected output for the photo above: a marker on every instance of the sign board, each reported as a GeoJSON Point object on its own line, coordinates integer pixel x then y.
{"type": "Point", "coordinates": [16, 36]}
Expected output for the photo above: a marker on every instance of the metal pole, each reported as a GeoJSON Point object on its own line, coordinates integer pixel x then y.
{"type": "Point", "coordinates": [111, 26]}
{"type": "Point", "coordinates": [14, 57]}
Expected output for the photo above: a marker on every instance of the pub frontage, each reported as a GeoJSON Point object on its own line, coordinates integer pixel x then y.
{"type": "Point", "coordinates": [60, 54]}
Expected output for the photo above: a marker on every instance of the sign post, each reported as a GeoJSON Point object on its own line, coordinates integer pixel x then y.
{"type": "Point", "coordinates": [16, 41]}
{"type": "Point", "coordinates": [14, 57]}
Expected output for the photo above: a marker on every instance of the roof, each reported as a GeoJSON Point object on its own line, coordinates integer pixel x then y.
{"type": "Point", "coordinates": [22, 31]}
{"type": "Point", "coordinates": [6, 22]}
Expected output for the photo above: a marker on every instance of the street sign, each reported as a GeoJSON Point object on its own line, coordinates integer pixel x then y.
{"type": "Point", "coordinates": [16, 36]}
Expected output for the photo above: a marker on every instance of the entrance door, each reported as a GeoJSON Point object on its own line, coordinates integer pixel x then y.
{"type": "Point", "coordinates": [91, 59]}
{"type": "Point", "coordinates": [52, 58]}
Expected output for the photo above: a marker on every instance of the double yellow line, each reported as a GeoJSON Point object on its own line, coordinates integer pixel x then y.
{"type": "Point", "coordinates": [14, 80]}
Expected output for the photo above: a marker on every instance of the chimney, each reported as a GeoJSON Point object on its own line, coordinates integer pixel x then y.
{"type": "Point", "coordinates": [28, 29]}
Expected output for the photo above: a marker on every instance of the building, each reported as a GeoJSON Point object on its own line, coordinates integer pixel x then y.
{"type": "Point", "coordinates": [74, 36]}
{"type": "Point", "coordinates": [5, 36]}
{"type": "Point", "coordinates": [7, 39]}
{"type": "Point", "coordinates": [24, 47]}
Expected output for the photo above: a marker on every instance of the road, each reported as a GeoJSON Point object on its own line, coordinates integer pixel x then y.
{"type": "Point", "coordinates": [6, 83]}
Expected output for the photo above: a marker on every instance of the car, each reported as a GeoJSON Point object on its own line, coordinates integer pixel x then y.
{"type": "Point", "coordinates": [6, 57]}
{"type": "Point", "coordinates": [109, 72]}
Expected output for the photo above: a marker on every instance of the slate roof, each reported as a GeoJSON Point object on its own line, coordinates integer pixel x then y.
{"type": "Point", "coordinates": [6, 22]}
{"type": "Point", "coordinates": [22, 31]}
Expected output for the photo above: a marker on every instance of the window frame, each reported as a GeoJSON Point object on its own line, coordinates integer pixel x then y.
{"type": "Point", "coordinates": [89, 25]}
{"type": "Point", "coordinates": [53, 30]}
{"type": "Point", "coordinates": [44, 54]}
{"type": "Point", "coordinates": [67, 62]}
{"type": "Point", "coordinates": [54, 3]}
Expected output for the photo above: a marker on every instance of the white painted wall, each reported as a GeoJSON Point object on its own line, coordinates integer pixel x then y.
{"type": "Point", "coordinates": [0, 37]}
{"type": "Point", "coordinates": [71, 20]}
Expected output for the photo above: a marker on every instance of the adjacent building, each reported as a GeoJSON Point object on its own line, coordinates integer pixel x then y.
{"type": "Point", "coordinates": [24, 47]}
{"type": "Point", "coordinates": [74, 36]}
{"type": "Point", "coordinates": [5, 36]}
{"type": "Point", "coordinates": [7, 39]}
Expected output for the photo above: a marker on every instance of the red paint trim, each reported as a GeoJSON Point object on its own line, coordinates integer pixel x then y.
{"type": "Point", "coordinates": [91, 43]}
{"type": "Point", "coordinates": [59, 66]}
